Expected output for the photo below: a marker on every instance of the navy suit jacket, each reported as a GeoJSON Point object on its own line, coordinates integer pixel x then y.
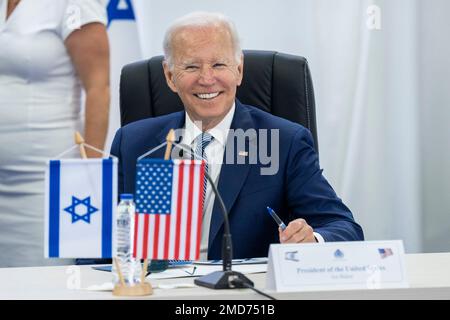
{"type": "Point", "coordinates": [297, 190]}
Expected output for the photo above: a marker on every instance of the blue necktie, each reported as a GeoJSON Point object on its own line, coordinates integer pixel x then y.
{"type": "Point", "coordinates": [203, 140]}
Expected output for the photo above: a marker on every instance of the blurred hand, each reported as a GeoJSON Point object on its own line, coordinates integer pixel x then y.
{"type": "Point", "coordinates": [297, 231]}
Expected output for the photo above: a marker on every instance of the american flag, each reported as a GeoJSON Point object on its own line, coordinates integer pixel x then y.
{"type": "Point", "coordinates": [169, 205]}
{"type": "Point", "coordinates": [385, 252]}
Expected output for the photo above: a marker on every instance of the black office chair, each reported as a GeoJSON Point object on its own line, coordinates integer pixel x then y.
{"type": "Point", "coordinates": [275, 82]}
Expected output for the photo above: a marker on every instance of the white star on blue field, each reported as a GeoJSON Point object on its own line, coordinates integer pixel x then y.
{"type": "Point", "coordinates": [89, 209]}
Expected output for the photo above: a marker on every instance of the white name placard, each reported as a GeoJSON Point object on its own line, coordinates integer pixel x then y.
{"type": "Point", "coordinates": [336, 266]}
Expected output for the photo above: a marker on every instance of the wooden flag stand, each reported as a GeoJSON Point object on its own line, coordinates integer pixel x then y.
{"type": "Point", "coordinates": [140, 289]}
{"type": "Point", "coordinates": [122, 288]}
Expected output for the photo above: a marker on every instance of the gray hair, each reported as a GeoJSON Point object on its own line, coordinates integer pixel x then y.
{"type": "Point", "coordinates": [200, 19]}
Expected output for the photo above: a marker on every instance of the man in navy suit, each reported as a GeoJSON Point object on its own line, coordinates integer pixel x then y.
{"type": "Point", "coordinates": [203, 64]}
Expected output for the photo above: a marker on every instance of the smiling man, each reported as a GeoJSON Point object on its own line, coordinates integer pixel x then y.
{"type": "Point", "coordinates": [204, 65]}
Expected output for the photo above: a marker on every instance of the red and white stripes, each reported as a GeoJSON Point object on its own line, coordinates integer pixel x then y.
{"type": "Point", "coordinates": [176, 235]}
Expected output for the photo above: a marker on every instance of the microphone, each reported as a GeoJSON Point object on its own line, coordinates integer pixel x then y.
{"type": "Point", "coordinates": [227, 278]}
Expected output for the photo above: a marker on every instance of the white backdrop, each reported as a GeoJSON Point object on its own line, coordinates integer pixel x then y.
{"type": "Point", "coordinates": [382, 99]}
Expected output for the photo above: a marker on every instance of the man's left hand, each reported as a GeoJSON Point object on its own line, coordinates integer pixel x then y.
{"type": "Point", "coordinates": [297, 231]}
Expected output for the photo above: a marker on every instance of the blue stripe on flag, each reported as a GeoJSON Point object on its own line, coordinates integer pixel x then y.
{"type": "Point", "coordinates": [53, 239]}
{"type": "Point", "coordinates": [107, 188]}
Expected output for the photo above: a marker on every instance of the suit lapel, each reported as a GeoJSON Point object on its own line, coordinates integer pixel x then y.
{"type": "Point", "coordinates": [232, 176]}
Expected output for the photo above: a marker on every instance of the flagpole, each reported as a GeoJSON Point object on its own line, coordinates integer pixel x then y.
{"type": "Point", "coordinates": [119, 272]}
{"type": "Point", "coordinates": [79, 140]}
{"type": "Point", "coordinates": [144, 270]}
{"type": "Point", "coordinates": [170, 139]}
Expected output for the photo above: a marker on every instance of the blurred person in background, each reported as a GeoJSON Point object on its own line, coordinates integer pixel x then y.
{"type": "Point", "coordinates": [50, 50]}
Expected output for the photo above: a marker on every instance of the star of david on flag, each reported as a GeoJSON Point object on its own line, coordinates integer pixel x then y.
{"type": "Point", "coordinates": [81, 200]}
{"type": "Point", "coordinates": [72, 209]}
{"type": "Point", "coordinates": [169, 206]}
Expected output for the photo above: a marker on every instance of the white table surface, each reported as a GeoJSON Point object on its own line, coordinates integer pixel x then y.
{"type": "Point", "coordinates": [428, 274]}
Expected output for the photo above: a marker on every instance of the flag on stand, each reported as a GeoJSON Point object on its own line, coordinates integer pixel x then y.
{"type": "Point", "coordinates": [169, 206]}
{"type": "Point", "coordinates": [81, 200]}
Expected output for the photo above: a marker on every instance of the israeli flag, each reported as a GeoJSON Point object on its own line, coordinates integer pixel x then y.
{"type": "Point", "coordinates": [81, 201]}
{"type": "Point", "coordinates": [125, 48]}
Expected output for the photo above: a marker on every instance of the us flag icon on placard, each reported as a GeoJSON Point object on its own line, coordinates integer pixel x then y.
{"type": "Point", "coordinates": [385, 252]}
{"type": "Point", "coordinates": [169, 206]}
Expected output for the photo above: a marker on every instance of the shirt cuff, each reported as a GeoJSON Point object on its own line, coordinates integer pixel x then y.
{"type": "Point", "coordinates": [319, 238]}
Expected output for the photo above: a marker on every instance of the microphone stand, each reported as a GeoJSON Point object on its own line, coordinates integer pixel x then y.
{"type": "Point", "coordinates": [227, 278]}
